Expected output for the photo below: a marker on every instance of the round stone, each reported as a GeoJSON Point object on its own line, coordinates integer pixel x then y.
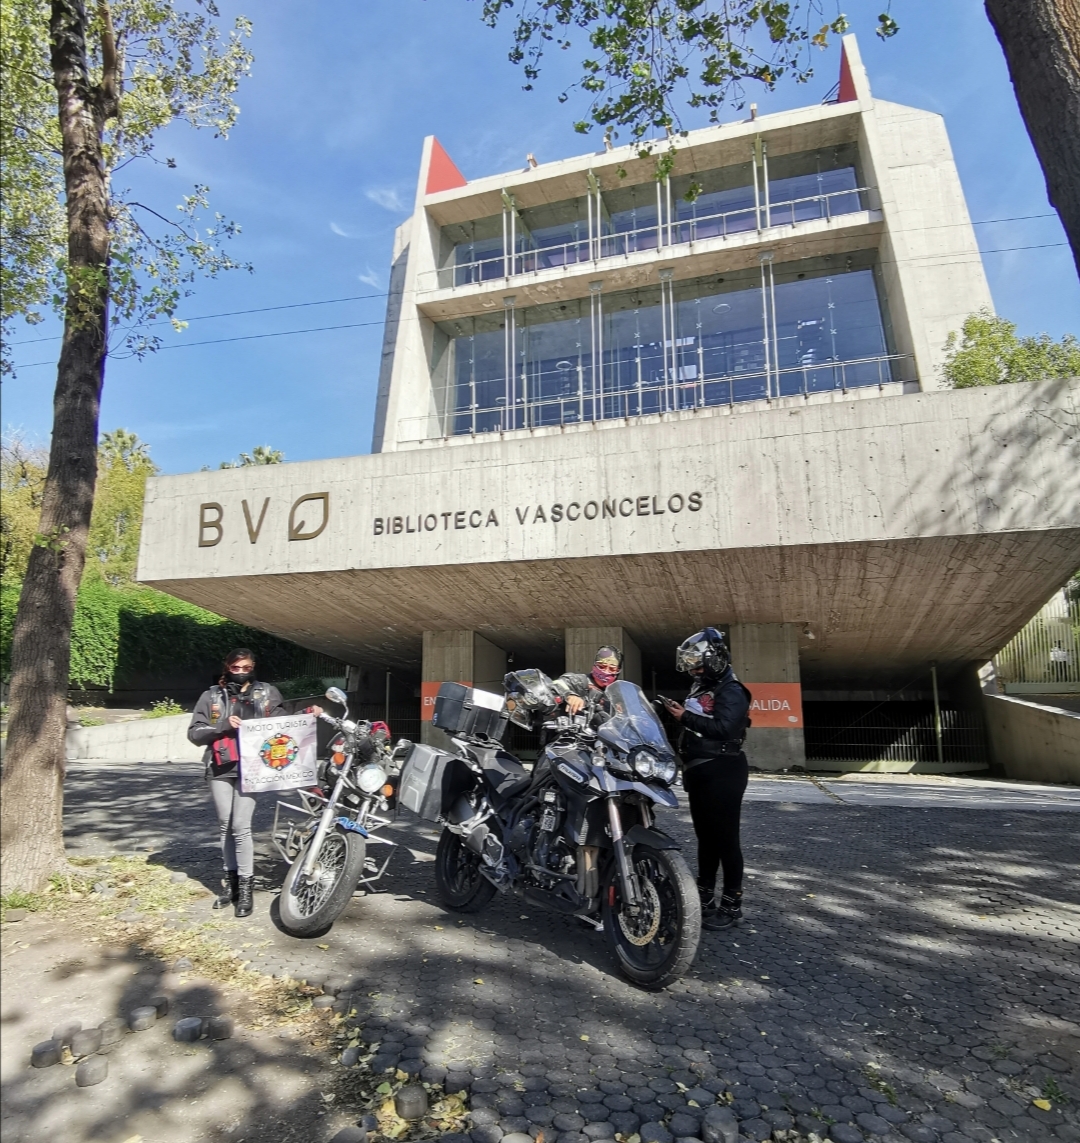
{"type": "Point", "coordinates": [484, 1116]}
{"type": "Point", "coordinates": [655, 1133]}
{"type": "Point", "coordinates": [542, 1115]}
{"type": "Point", "coordinates": [45, 1054]}
{"type": "Point", "coordinates": [161, 1004]}
{"type": "Point", "coordinates": [350, 1056]}
{"type": "Point", "coordinates": [86, 1042]}
{"type": "Point", "coordinates": [139, 1019]}
{"type": "Point", "coordinates": [62, 1033]}
{"type": "Point", "coordinates": [112, 1030]}
{"type": "Point", "coordinates": [11, 916]}
{"type": "Point", "coordinates": [490, 1134]}
{"type": "Point", "coordinates": [91, 1071]}
{"type": "Point", "coordinates": [720, 1126]}
{"type": "Point", "coordinates": [221, 1028]}
{"type": "Point", "coordinates": [177, 877]}
{"type": "Point", "coordinates": [350, 1135]}
{"type": "Point", "coordinates": [411, 1102]}
{"type": "Point", "coordinates": [568, 1121]}
{"type": "Point", "coordinates": [184, 964]}
{"type": "Point", "coordinates": [845, 1133]}
{"type": "Point", "coordinates": [187, 1030]}
{"type": "Point", "coordinates": [917, 1133]}
{"type": "Point", "coordinates": [517, 1137]}
{"type": "Point", "coordinates": [755, 1129]}
{"type": "Point", "coordinates": [324, 1001]}
{"type": "Point", "coordinates": [683, 1125]}
{"type": "Point", "coordinates": [872, 1123]}
{"type": "Point", "coordinates": [891, 1114]}
{"type": "Point", "coordinates": [618, 1102]}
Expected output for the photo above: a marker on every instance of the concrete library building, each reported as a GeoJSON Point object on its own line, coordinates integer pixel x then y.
{"type": "Point", "coordinates": [613, 409]}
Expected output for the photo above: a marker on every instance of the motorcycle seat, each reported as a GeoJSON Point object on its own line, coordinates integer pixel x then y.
{"type": "Point", "coordinates": [505, 774]}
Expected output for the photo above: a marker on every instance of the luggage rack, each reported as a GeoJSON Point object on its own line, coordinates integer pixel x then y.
{"type": "Point", "coordinates": [289, 835]}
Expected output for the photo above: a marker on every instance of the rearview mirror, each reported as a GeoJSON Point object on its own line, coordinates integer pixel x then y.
{"type": "Point", "coordinates": [336, 694]}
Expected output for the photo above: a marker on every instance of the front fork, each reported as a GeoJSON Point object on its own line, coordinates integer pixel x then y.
{"type": "Point", "coordinates": [628, 882]}
{"type": "Point", "coordinates": [307, 870]}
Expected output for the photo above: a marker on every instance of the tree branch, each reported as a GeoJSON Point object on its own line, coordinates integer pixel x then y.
{"type": "Point", "coordinates": [109, 103]}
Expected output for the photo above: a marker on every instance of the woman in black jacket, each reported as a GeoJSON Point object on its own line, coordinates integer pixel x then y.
{"type": "Point", "coordinates": [714, 719]}
{"type": "Point", "coordinates": [215, 724]}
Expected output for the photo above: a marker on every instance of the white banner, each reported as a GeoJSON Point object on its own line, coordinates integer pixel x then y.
{"type": "Point", "coordinates": [278, 753]}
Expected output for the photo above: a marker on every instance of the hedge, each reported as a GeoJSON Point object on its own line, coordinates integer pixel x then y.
{"type": "Point", "coordinates": [122, 632]}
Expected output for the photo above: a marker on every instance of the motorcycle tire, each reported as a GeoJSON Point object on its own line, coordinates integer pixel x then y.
{"type": "Point", "coordinates": [658, 946]}
{"type": "Point", "coordinates": [309, 909]}
{"type": "Point", "coordinates": [458, 880]}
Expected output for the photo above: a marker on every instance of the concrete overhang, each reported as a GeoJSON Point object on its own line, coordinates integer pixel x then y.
{"type": "Point", "coordinates": [728, 144]}
{"type": "Point", "coordinates": [845, 234]}
{"type": "Point", "coordinates": [896, 531]}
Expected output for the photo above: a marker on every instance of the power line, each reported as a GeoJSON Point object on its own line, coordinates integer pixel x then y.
{"type": "Point", "coordinates": [363, 324]}
{"type": "Point", "coordinates": [384, 294]}
{"type": "Point", "coordinates": [233, 313]}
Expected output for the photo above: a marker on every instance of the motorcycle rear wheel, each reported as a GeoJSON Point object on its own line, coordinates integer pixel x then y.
{"type": "Point", "coordinates": [310, 908]}
{"type": "Point", "coordinates": [658, 945]}
{"type": "Point", "coordinates": [458, 880]}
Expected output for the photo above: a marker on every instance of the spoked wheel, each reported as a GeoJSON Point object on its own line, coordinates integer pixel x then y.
{"type": "Point", "coordinates": [311, 906]}
{"type": "Point", "coordinates": [655, 944]}
{"type": "Point", "coordinates": [458, 880]}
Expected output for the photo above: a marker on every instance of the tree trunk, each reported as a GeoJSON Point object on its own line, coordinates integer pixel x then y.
{"type": "Point", "coordinates": [31, 828]}
{"type": "Point", "coordinates": [1041, 41]}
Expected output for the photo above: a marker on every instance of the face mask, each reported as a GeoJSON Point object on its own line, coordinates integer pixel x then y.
{"type": "Point", "coordinates": [603, 677]}
{"type": "Point", "coordinates": [239, 677]}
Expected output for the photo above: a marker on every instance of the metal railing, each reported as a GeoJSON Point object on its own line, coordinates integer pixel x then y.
{"type": "Point", "coordinates": [623, 243]}
{"type": "Point", "coordinates": [1044, 656]}
{"type": "Point", "coordinates": [674, 394]}
{"type": "Point", "coordinates": [903, 733]}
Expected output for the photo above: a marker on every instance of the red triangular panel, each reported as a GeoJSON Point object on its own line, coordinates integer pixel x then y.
{"type": "Point", "coordinates": [847, 84]}
{"type": "Point", "coordinates": [442, 174]}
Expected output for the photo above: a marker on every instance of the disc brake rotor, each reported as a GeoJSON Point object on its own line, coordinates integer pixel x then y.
{"type": "Point", "coordinates": [641, 929]}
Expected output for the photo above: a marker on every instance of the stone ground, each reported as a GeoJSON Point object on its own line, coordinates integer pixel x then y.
{"type": "Point", "coordinates": [907, 972]}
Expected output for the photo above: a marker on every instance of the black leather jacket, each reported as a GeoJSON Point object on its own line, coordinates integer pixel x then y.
{"type": "Point", "coordinates": [716, 717]}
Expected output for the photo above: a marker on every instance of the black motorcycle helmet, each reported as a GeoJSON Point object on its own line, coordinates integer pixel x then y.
{"type": "Point", "coordinates": [706, 648]}
{"type": "Point", "coordinates": [529, 696]}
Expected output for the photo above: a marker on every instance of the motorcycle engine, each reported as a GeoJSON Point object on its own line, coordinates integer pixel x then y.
{"type": "Point", "coordinates": [549, 849]}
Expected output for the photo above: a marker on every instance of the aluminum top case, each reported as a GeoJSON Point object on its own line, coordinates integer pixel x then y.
{"type": "Point", "coordinates": [465, 710]}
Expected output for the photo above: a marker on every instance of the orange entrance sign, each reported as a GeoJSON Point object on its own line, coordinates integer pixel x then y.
{"type": "Point", "coordinates": [776, 704]}
{"type": "Point", "coordinates": [428, 693]}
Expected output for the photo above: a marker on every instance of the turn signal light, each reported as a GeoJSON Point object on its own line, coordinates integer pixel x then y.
{"type": "Point", "coordinates": [337, 759]}
{"type": "Point", "coordinates": [388, 791]}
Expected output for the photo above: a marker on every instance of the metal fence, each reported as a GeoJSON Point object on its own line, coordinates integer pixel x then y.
{"type": "Point", "coordinates": [904, 732]}
{"type": "Point", "coordinates": [1044, 656]}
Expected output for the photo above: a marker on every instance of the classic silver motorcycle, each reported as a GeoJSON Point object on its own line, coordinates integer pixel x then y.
{"type": "Point", "coordinates": [326, 831]}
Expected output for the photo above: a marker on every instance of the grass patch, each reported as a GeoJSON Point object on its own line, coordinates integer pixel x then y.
{"type": "Point", "coordinates": [163, 708]}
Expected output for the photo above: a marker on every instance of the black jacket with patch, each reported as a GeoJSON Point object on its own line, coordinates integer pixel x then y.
{"type": "Point", "coordinates": [716, 718]}
{"type": "Point", "coordinates": [210, 722]}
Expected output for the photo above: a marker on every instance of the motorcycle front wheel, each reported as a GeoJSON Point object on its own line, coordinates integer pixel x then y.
{"type": "Point", "coordinates": [658, 943]}
{"type": "Point", "coordinates": [458, 880]}
{"type": "Point", "coordinates": [308, 907]}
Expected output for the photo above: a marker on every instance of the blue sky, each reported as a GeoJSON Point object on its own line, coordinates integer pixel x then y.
{"type": "Point", "coordinates": [324, 159]}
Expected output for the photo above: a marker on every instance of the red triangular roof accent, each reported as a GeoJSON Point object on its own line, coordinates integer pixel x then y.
{"type": "Point", "coordinates": [442, 174]}
{"type": "Point", "coordinates": [847, 84]}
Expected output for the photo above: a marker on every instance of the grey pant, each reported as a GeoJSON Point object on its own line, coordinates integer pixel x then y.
{"type": "Point", "coordinates": [234, 810]}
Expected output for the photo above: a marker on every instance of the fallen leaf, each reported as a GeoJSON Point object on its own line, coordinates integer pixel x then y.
{"type": "Point", "coordinates": [692, 1103]}
{"type": "Point", "coordinates": [871, 1064]}
{"type": "Point", "coordinates": [384, 1089]}
{"type": "Point", "coordinates": [583, 1037]}
{"type": "Point", "coordinates": [1042, 1104]}
{"type": "Point", "coordinates": [324, 947]}
{"type": "Point", "coordinates": [764, 978]}
{"type": "Point", "coordinates": [811, 894]}
{"type": "Point", "coordinates": [399, 1074]}
{"type": "Point", "coordinates": [478, 980]}
{"type": "Point", "coordinates": [438, 928]}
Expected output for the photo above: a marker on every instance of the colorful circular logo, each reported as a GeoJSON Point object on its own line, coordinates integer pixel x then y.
{"type": "Point", "coordinates": [279, 751]}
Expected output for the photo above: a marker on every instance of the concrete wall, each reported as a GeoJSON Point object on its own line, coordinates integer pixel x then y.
{"type": "Point", "coordinates": [1031, 742]}
{"type": "Point", "coordinates": [769, 653]}
{"type": "Point", "coordinates": [144, 740]}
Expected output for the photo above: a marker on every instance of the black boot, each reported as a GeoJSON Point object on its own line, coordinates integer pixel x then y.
{"type": "Point", "coordinates": [708, 901]}
{"type": "Point", "coordinates": [231, 884]}
{"type": "Point", "coordinates": [244, 902]}
{"type": "Point", "coordinates": [728, 914]}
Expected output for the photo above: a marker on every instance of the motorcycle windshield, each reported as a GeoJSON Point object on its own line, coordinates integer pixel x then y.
{"type": "Point", "coordinates": [633, 721]}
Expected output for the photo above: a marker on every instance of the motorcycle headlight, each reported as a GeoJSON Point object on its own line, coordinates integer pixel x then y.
{"type": "Point", "coordinates": [645, 764]}
{"type": "Point", "coordinates": [665, 770]}
{"type": "Point", "coordinates": [370, 777]}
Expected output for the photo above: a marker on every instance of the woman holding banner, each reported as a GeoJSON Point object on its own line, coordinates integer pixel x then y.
{"type": "Point", "coordinates": [215, 724]}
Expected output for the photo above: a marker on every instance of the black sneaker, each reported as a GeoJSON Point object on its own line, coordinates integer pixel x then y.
{"type": "Point", "coordinates": [722, 917]}
{"type": "Point", "coordinates": [708, 902]}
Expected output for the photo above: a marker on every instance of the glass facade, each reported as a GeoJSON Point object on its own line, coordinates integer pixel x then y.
{"type": "Point", "coordinates": [767, 332]}
{"type": "Point", "coordinates": [647, 216]}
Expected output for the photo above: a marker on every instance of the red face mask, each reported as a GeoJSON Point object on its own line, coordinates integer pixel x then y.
{"type": "Point", "coordinates": [603, 677]}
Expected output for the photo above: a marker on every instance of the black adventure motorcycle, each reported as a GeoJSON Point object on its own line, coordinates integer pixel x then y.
{"type": "Point", "coordinates": [575, 835]}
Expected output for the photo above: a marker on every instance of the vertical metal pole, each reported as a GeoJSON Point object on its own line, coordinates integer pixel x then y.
{"type": "Point", "coordinates": [659, 218]}
{"type": "Point", "coordinates": [937, 715]}
{"type": "Point", "coordinates": [386, 709]}
{"type": "Point", "coordinates": [775, 338]}
{"type": "Point", "coordinates": [597, 308]}
{"type": "Point", "coordinates": [670, 212]}
{"type": "Point", "coordinates": [509, 364]}
{"type": "Point", "coordinates": [667, 324]}
{"type": "Point", "coordinates": [765, 325]}
{"type": "Point", "coordinates": [506, 238]}
{"type": "Point", "coordinates": [765, 180]}
{"type": "Point", "coordinates": [757, 192]}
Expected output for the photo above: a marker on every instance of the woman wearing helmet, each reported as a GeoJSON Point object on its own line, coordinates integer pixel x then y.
{"type": "Point", "coordinates": [578, 689]}
{"type": "Point", "coordinates": [715, 771]}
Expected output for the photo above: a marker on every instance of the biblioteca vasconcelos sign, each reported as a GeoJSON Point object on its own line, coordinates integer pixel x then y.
{"type": "Point", "coordinates": [310, 514]}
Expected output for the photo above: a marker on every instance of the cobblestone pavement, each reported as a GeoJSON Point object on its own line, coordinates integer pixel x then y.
{"type": "Point", "coordinates": [905, 973]}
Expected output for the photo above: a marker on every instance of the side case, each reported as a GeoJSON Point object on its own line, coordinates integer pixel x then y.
{"type": "Point", "coordinates": [430, 780]}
